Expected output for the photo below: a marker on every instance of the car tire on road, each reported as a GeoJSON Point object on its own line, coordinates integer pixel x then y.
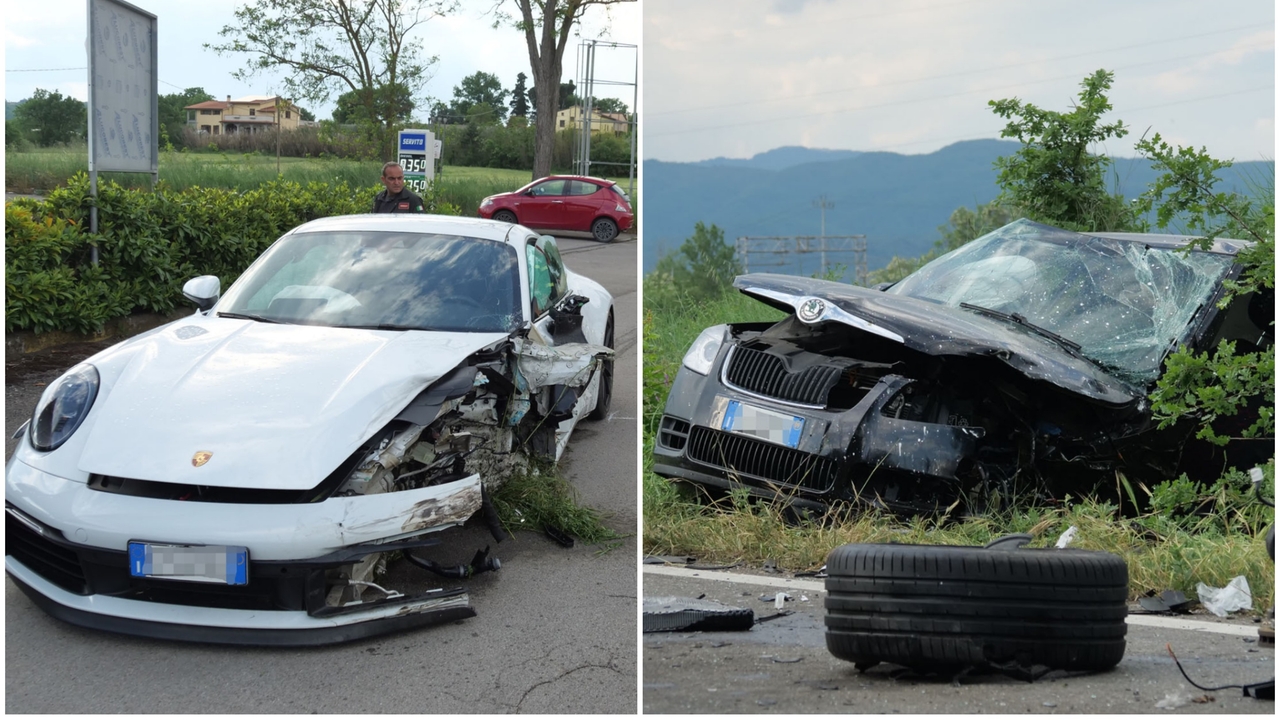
{"type": "Point", "coordinates": [605, 395]}
{"type": "Point", "coordinates": [943, 608]}
{"type": "Point", "coordinates": [505, 216]}
{"type": "Point", "coordinates": [604, 230]}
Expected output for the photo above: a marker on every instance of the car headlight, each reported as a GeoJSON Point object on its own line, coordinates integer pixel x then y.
{"type": "Point", "coordinates": [486, 202]}
{"type": "Point", "coordinates": [63, 406]}
{"type": "Point", "coordinates": [702, 354]}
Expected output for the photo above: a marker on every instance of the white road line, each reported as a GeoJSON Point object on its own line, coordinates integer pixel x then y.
{"type": "Point", "coordinates": [816, 586]}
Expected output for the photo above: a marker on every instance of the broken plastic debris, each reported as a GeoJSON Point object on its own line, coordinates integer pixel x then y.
{"type": "Point", "coordinates": [671, 614]}
{"type": "Point", "coordinates": [1167, 601]}
{"type": "Point", "coordinates": [1220, 601]}
{"type": "Point", "coordinates": [1066, 537]}
{"type": "Point", "coordinates": [1173, 701]}
{"type": "Point", "coordinates": [780, 600]}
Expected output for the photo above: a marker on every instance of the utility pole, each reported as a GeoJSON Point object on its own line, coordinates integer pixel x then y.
{"type": "Point", "coordinates": [823, 206]}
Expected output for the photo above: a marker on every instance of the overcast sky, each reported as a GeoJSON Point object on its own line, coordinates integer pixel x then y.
{"type": "Point", "coordinates": [915, 75]}
{"type": "Point", "coordinates": [48, 34]}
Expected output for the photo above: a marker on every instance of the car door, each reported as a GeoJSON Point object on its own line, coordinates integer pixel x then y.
{"type": "Point", "coordinates": [581, 202]}
{"type": "Point", "coordinates": [542, 204]}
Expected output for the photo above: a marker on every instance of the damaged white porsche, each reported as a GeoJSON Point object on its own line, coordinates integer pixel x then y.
{"type": "Point", "coordinates": [243, 475]}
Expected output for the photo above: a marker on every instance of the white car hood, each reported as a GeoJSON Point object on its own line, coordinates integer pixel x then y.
{"type": "Point", "coordinates": [278, 406]}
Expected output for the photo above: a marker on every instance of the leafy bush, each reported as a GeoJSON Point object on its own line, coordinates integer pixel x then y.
{"type": "Point", "coordinates": [149, 244]}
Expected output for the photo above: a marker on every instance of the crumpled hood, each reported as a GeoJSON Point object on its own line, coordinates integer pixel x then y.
{"type": "Point", "coordinates": [936, 329]}
{"type": "Point", "coordinates": [278, 406]}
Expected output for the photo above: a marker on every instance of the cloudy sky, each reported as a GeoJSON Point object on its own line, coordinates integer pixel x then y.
{"type": "Point", "coordinates": [41, 38]}
{"type": "Point", "coordinates": [915, 75]}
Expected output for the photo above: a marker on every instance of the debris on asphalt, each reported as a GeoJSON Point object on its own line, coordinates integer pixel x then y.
{"type": "Point", "coordinates": [777, 659]}
{"type": "Point", "coordinates": [673, 614]}
{"type": "Point", "coordinates": [1201, 700]}
{"type": "Point", "coordinates": [1220, 601]}
{"type": "Point", "coordinates": [1173, 701]}
{"type": "Point", "coordinates": [1167, 601]}
{"type": "Point", "coordinates": [559, 536]}
{"type": "Point", "coordinates": [770, 566]}
{"type": "Point", "coordinates": [774, 616]}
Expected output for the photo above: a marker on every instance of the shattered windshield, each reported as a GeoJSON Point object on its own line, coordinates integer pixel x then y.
{"type": "Point", "coordinates": [1122, 302]}
{"type": "Point", "coordinates": [382, 280]}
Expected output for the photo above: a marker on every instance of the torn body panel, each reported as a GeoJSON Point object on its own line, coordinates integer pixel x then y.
{"type": "Point", "coordinates": [966, 386]}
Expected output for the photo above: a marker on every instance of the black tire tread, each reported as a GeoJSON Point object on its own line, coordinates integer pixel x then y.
{"type": "Point", "coordinates": [931, 607]}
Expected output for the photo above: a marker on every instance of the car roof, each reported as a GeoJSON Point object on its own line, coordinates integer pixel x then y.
{"type": "Point", "coordinates": [588, 178]}
{"type": "Point", "coordinates": [1224, 246]}
{"type": "Point", "coordinates": [412, 222]}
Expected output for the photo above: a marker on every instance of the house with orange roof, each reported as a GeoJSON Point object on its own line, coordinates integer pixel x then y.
{"type": "Point", "coordinates": [253, 113]}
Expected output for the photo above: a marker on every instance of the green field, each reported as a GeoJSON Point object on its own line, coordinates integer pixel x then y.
{"type": "Point", "coordinates": [41, 170]}
{"type": "Point", "coordinates": [1225, 538]}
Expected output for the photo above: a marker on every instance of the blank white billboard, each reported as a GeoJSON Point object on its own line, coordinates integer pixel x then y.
{"type": "Point", "coordinates": [123, 117]}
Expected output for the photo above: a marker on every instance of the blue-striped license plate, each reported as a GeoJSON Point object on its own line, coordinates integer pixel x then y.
{"type": "Point", "coordinates": [775, 427]}
{"type": "Point", "coordinates": [224, 564]}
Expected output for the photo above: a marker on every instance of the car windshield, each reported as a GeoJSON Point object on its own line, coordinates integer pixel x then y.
{"type": "Point", "coordinates": [1122, 302]}
{"type": "Point", "coordinates": [391, 280]}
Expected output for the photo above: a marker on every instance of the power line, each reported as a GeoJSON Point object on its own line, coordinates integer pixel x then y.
{"type": "Point", "coordinates": [44, 69]}
{"type": "Point", "coordinates": [909, 101]}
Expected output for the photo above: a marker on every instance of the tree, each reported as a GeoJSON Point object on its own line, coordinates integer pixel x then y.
{"type": "Point", "coordinates": [323, 46]}
{"type": "Point", "coordinates": [173, 114]}
{"type": "Point", "coordinates": [703, 267]}
{"type": "Point", "coordinates": [1054, 178]}
{"type": "Point", "coordinates": [547, 25]}
{"type": "Point", "coordinates": [395, 102]}
{"type": "Point", "coordinates": [48, 118]}
{"type": "Point", "coordinates": [609, 105]}
{"type": "Point", "coordinates": [1220, 391]}
{"type": "Point", "coordinates": [520, 97]}
{"type": "Point", "coordinates": [480, 95]}
{"type": "Point", "coordinates": [306, 114]}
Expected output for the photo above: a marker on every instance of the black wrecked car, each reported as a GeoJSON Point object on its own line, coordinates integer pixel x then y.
{"type": "Point", "coordinates": [1017, 364]}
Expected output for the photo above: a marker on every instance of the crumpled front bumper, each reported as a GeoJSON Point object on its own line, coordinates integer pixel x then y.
{"type": "Point", "coordinates": [66, 548]}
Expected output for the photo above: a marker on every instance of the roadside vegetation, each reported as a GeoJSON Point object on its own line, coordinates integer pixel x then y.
{"type": "Point", "coordinates": [1190, 531]}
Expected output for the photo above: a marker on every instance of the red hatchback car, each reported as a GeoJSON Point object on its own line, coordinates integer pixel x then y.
{"type": "Point", "coordinates": [565, 202]}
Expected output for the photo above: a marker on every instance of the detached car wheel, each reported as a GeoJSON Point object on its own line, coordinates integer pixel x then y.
{"type": "Point", "coordinates": [605, 395]}
{"type": "Point", "coordinates": [943, 608]}
{"type": "Point", "coordinates": [604, 230]}
{"type": "Point", "coordinates": [505, 216]}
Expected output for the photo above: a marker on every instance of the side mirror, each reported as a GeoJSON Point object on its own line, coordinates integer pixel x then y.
{"type": "Point", "coordinates": [203, 291]}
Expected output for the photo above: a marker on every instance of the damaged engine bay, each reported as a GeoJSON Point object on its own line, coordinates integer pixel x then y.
{"type": "Point", "coordinates": [1015, 367]}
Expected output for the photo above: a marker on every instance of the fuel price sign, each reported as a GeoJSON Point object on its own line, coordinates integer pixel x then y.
{"type": "Point", "coordinates": [416, 158]}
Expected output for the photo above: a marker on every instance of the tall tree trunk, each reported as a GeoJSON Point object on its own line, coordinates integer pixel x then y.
{"type": "Point", "coordinates": [545, 54]}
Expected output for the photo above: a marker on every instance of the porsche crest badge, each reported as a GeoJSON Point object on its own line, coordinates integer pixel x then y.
{"type": "Point", "coordinates": [201, 458]}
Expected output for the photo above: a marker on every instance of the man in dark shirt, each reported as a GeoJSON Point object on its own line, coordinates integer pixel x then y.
{"type": "Point", "coordinates": [395, 199]}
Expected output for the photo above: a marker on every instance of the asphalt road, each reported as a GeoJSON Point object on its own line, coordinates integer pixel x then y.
{"type": "Point", "coordinates": [555, 630]}
{"type": "Point", "coordinates": [782, 665]}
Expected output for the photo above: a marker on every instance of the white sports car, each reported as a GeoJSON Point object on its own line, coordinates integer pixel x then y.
{"type": "Point", "coordinates": [241, 475]}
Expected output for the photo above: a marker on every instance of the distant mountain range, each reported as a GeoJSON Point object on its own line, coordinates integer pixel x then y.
{"type": "Point", "coordinates": [897, 201]}
{"type": "Point", "coordinates": [780, 158]}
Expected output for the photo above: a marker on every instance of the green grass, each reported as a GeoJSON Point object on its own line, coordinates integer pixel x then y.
{"type": "Point", "coordinates": [41, 169]}
{"type": "Point", "coordinates": [1161, 551]}
{"type": "Point", "coordinates": [539, 498]}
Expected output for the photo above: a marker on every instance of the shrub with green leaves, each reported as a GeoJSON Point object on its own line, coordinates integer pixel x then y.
{"type": "Point", "coordinates": [149, 244]}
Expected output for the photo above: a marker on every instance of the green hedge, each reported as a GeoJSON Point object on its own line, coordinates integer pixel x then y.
{"type": "Point", "coordinates": [149, 244]}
